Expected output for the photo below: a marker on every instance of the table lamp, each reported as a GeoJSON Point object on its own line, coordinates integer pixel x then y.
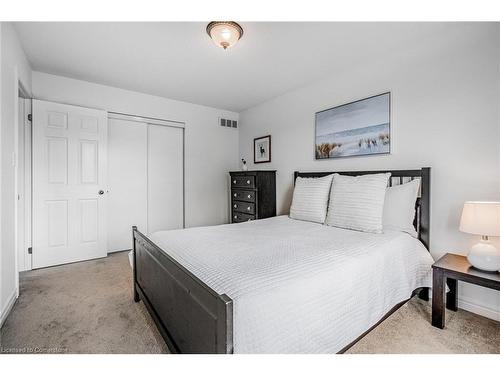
{"type": "Point", "coordinates": [482, 218]}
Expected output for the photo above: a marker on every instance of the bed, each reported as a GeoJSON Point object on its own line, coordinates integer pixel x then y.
{"type": "Point", "coordinates": [280, 285]}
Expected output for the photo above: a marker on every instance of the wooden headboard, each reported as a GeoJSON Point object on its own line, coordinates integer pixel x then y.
{"type": "Point", "coordinates": [422, 206]}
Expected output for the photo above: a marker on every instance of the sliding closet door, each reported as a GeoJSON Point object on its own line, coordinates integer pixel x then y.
{"type": "Point", "coordinates": [145, 177]}
{"type": "Point", "coordinates": [127, 171]}
{"type": "Point", "coordinates": [165, 178]}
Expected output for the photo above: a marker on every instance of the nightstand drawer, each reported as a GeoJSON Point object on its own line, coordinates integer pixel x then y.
{"type": "Point", "coordinates": [239, 217]}
{"type": "Point", "coordinates": [243, 181]}
{"type": "Point", "coordinates": [243, 195]}
{"type": "Point", "coordinates": [245, 207]}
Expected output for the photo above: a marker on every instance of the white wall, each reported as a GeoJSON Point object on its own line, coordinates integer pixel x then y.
{"type": "Point", "coordinates": [445, 114]}
{"type": "Point", "coordinates": [14, 68]}
{"type": "Point", "coordinates": [3, 313]}
{"type": "Point", "coordinates": [210, 150]}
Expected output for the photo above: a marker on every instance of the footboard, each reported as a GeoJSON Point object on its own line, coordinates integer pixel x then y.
{"type": "Point", "coordinates": [191, 317]}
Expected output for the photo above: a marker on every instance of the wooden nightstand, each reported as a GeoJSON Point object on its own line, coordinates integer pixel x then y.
{"type": "Point", "coordinates": [448, 270]}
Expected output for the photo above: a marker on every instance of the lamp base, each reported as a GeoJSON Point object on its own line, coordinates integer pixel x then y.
{"type": "Point", "coordinates": [484, 256]}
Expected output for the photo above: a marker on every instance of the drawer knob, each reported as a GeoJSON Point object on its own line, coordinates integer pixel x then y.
{"type": "Point", "coordinates": [235, 205]}
{"type": "Point", "coordinates": [248, 208]}
{"type": "Point", "coordinates": [234, 195]}
{"type": "Point", "coordinates": [249, 196]}
{"type": "Point", "coordinates": [235, 216]}
{"type": "Point", "coordinates": [248, 182]}
{"type": "Point", "coordinates": [234, 181]}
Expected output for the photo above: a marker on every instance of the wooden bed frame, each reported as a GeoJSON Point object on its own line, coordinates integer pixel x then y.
{"type": "Point", "coordinates": [193, 318]}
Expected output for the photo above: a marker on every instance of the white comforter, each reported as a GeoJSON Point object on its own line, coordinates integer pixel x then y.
{"type": "Point", "coordinates": [301, 287]}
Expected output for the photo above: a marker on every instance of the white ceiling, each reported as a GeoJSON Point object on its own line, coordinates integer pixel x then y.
{"type": "Point", "coordinates": [177, 60]}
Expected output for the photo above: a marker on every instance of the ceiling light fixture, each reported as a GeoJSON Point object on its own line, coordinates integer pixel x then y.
{"type": "Point", "coordinates": [225, 34]}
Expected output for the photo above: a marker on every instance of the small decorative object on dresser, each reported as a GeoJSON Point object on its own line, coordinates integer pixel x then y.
{"type": "Point", "coordinates": [482, 218]}
{"type": "Point", "coordinates": [449, 269]}
{"type": "Point", "coordinates": [244, 166]}
{"type": "Point", "coordinates": [253, 195]}
{"type": "Point", "coordinates": [262, 149]}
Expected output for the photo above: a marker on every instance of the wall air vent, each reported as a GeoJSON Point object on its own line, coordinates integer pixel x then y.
{"type": "Point", "coordinates": [228, 123]}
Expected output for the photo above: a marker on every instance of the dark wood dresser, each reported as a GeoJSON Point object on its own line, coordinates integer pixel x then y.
{"type": "Point", "coordinates": [253, 195]}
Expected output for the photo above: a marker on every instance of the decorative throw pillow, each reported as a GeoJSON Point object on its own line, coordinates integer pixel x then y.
{"type": "Point", "coordinates": [399, 207]}
{"type": "Point", "coordinates": [310, 198]}
{"type": "Point", "coordinates": [357, 202]}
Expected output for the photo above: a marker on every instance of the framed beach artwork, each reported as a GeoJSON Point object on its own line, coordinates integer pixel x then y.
{"type": "Point", "coordinates": [359, 128]}
{"type": "Point", "coordinates": [262, 149]}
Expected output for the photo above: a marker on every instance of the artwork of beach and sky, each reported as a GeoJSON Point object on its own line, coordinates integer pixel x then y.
{"type": "Point", "coordinates": [358, 128]}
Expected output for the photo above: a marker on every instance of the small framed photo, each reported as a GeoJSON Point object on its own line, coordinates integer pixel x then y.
{"type": "Point", "coordinates": [262, 149]}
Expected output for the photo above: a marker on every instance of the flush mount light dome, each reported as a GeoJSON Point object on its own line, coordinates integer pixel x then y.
{"type": "Point", "coordinates": [224, 33]}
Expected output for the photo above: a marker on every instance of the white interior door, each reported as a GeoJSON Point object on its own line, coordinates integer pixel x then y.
{"type": "Point", "coordinates": [69, 183]}
{"type": "Point", "coordinates": [23, 187]}
{"type": "Point", "coordinates": [165, 178]}
{"type": "Point", "coordinates": [27, 185]}
{"type": "Point", "coordinates": [127, 179]}
{"type": "Point", "coordinates": [20, 184]}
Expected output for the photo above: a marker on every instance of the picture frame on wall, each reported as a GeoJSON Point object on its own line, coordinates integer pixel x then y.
{"type": "Point", "coordinates": [262, 149]}
{"type": "Point", "coordinates": [358, 128]}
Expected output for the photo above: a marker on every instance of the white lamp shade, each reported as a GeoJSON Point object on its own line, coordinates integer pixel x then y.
{"type": "Point", "coordinates": [482, 218]}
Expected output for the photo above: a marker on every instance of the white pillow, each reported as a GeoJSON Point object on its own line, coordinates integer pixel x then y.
{"type": "Point", "coordinates": [310, 198]}
{"type": "Point", "coordinates": [358, 202]}
{"type": "Point", "coordinates": [399, 207]}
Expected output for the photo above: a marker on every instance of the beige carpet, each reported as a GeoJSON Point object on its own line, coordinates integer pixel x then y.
{"type": "Point", "coordinates": [408, 330]}
{"type": "Point", "coordinates": [84, 307]}
{"type": "Point", "coordinates": [87, 307]}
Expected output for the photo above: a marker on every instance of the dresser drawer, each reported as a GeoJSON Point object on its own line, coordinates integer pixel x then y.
{"type": "Point", "coordinates": [245, 207]}
{"type": "Point", "coordinates": [243, 195]}
{"type": "Point", "coordinates": [243, 181]}
{"type": "Point", "coordinates": [239, 217]}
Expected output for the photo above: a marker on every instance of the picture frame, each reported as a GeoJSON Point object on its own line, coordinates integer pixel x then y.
{"type": "Point", "coordinates": [358, 128]}
{"type": "Point", "coordinates": [262, 149]}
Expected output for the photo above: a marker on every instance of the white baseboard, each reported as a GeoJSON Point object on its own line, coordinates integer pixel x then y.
{"type": "Point", "coordinates": [117, 251]}
{"type": "Point", "coordinates": [480, 310]}
{"type": "Point", "coordinates": [475, 308]}
{"type": "Point", "coordinates": [6, 310]}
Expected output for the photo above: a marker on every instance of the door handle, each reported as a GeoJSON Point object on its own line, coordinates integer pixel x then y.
{"type": "Point", "coordinates": [101, 192]}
